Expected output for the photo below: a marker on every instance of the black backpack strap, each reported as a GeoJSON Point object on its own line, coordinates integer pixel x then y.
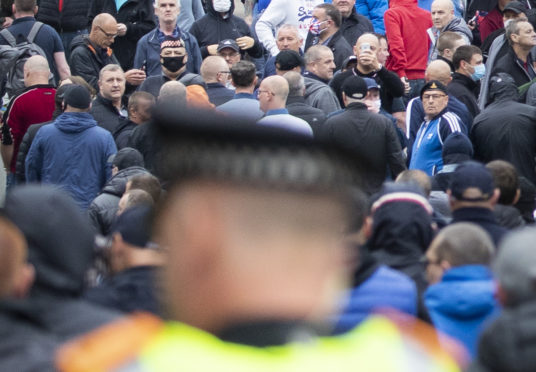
{"type": "Point", "coordinates": [9, 37]}
{"type": "Point", "coordinates": [33, 32]}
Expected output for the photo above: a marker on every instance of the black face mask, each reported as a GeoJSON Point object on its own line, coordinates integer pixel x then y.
{"type": "Point", "coordinates": [173, 64]}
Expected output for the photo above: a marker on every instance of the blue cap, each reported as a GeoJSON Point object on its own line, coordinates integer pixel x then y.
{"type": "Point", "coordinates": [134, 226]}
{"type": "Point", "coordinates": [472, 174]}
{"type": "Point", "coordinates": [371, 83]}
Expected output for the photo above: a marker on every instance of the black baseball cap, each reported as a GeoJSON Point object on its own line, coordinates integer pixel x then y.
{"type": "Point", "coordinates": [228, 43]}
{"type": "Point", "coordinates": [286, 60]}
{"type": "Point", "coordinates": [355, 87]}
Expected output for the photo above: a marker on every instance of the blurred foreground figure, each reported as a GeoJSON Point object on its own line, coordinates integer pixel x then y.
{"type": "Point", "coordinates": [253, 227]}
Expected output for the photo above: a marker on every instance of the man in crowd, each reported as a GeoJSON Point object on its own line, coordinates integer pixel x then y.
{"type": "Point", "coordinates": [447, 44]}
{"type": "Point", "coordinates": [325, 30]}
{"type": "Point", "coordinates": [296, 105]}
{"type": "Point", "coordinates": [368, 66]}
{"type": "Point", "coordinates": [134, 19]}
{"type": "Point", "coordinates": [470, 69]}
{"type": "Point", "coordinates": [34, 105]}
{"type": "Point", "coordinates": [353, 24]}
{"type": "Point", "coordinates": [405, 28]}
{"type": "Point", "coordinates": [297, 13]}
{"type": "Point", "coordinates": [244, 102]}
{"type": "Point", "coordinates": [108, 109]}
{"type": "Point", "coordinates": [493, 20]}
{"type": "Point", "coordinates": [287, 38]}
{"type": "Point", "coordinates": [148, 49]}
{"type": "Point", "coordinates": [217, 74]}
{"type": "Point", "coordinates": [319, 67]}
{"type": "Point", "coordinates": [288, 60]}
{"type": "Point", "coordinates": [370, 135]}
{"type": "Point", "coordinates": [71, 147]}
{"type": "Point", "coordinates": [444, 19]}
{"type": "Point", "coordinates": [46, 37]}
{"type": "Point", "coordinates": [127, 163]}
{"type": "Point", "coordinates": [518, 62]}
{"type": "Point", "coordinates": [504, 129]}
{"type": "Point", "coordinates": [461, 295]}
{"type": "Point", "coordinates": [173, 58]}
{"type": "Point", "coordinates": [499, 346]}
{"type": "Point", "coordinates": [437, 126]}
{"type": "Point", "coordinates": [472, 196]}
{"type": "Point", "coordinates": [219, 24]}
{"type": "Point", "coordinates": [273, 93]}
{"type": "Point", "coordinates": [140, 107]}
{"type": "Point", "coordinates": [229, 50]}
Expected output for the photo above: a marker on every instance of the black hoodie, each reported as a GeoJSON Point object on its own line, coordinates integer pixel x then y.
{"type": "Point", "coordinates": [213, 28]}
{"type": "Point", "coordinates": [60, 246]}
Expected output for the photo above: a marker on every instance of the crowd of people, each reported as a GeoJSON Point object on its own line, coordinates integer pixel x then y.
{"type": "Point", "coordinates": [309, 186]}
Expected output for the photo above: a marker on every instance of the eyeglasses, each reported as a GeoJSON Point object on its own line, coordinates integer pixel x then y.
{"type": "Point", "coordinates": [263, 91]}
{"type": "Point", "coordinates": [107, 34]}
{"type": "Point", "coordinates": [228, 55]}
{"type": "Point", "coordinates": [426, 97]}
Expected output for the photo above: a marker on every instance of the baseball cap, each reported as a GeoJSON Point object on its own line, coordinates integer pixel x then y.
{"type": "Point", "coordinates": [471, 175]}
{"type": "Point", "coordinates": [286, 60]}
{"type": "Point", "coordinates": [228, 43]}
{"type": "Point", "coordinates": [434, 85]}
{"type": "Point", "coordinates": [77, 96]}
{"type": "Point", "coordinates": [134, 226]}
{"type": "Point", "coordinates": [355, 87]}
{"type": "Point", "coordinates": [515, 6]}
{"type": "Point", "coordinates": [371, 83]}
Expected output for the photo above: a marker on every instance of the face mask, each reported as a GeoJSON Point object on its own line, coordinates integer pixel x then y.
{"type": "Point", "coordinates": [377, 104]}
{"type": "Point", "coordinates": [315, 27]}
{"type": "Point", "coordinates": [222, 6]}
{"type": "Point", "coordinates": [480, 71]}
{"type": "Point", "coordinates": [173, 64]}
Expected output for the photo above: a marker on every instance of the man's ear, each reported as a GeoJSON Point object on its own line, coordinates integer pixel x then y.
{"type": "Point", "coordinates": [516, 198]}
{"type": "Point", "coordinates": [496, 195]}
{"type": "Point", "coordinates": [367, 227]}
{"type": "Point", "coordinates": [24, 282]}
{"type": "Point", "coordinates": [445, 265]}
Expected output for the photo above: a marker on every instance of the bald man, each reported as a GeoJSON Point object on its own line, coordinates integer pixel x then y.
{"type": "Point", "coordinates": [273, 93]}
{"type": "Point", "coordinates": [34, 105]}
{"type": "Point", "coordinates": [91, 53]}
{"type": "Point", "coordinates": [216, 74]}
{"type": "Point", "coordinates": [436, 70]}
{"type": "Point", "coordinates": [444, 19]}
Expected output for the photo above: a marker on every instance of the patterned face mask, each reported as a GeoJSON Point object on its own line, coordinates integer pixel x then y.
{"type": "Point", "coordinates": [315, 27]}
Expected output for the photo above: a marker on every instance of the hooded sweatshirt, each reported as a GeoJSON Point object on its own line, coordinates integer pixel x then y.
{"type": "Point", "coordinates": [60, 247]}
{"type": "Point", "coordinates": [405, 27]}
{"type": "Point", "coordinates": [73, 153]}
{"type": "Point", "coordinates": [213, 28]}
{"type": "Point", "coordinates": [280, 12]}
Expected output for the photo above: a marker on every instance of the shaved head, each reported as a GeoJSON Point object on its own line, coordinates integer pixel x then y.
{"type": "Point", "coordinates": [37, 63]}
{"type": "Point", "coordinates": [211, 67]}
{"type": "Point", "coordinates": [443, 4]}
{"type": "Point", "coordinates": [103, 19]}
{"type": "Point", "coordinates": [438, 70]}
{"type": "Point", "coordinates": [442, 13]}
{"type": "Point", "coordinates": [278, 85]}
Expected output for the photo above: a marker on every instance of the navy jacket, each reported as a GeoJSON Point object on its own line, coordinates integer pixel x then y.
{"type": "Point", "coordinates": [148, 53]}
{"type": "Point", "coordinates": [484, 218]}
{"type": "Point", "coordinates": [72, 152]}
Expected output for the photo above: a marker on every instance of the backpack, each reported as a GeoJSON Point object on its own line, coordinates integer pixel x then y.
{"type": "Point", "coordinates": [14, 56]}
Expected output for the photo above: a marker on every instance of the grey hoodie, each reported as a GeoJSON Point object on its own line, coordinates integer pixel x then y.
{"type": "Point", "coordinates": [320, 95]}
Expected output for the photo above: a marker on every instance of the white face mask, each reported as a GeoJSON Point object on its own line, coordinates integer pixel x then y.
{"type": "Point", "coordinates": [222, 6]}
{"type": "Point", "coordinates": [373, 105]}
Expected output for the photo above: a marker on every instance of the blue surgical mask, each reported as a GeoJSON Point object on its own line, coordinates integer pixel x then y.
{"type": "Point", "coordinates": [480, 71]}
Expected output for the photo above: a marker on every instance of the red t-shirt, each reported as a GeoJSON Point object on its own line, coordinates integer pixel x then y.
{"type": "Point", "coordinates": [34, 105]}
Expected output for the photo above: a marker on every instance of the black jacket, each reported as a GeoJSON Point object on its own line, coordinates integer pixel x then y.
{"type": "Point", "coordinates": [60, 247]}
{"type": "Point", "coordinates": [153, 83]}
{"type": "Point", "coordinates": [24, 147]}
{"type": "Point", "coordinates": [137, 15]}
{"type": "Point", "coordinates": [506, 130]}
{"type": "Point", "coordinates": [73, 16]}
{"type": "Point", "coordinates": [143, 139]}
{"type": "Point", "coordinates": [390, 85]}
{"type": "Point", "coordinates": [106, 114]}
{"type": "Point", "coordinates": [373, 137]}
{"type": "Point", "coordinates": [212, 28]}
{"type": "Point", "coordinates": [296, 106]}
{"type": "Point", "coordinates": [339, 46]}
{"type": "Point", "coordinates": [484, 218]}
{"type": "Point", "coordinates": [103, 208]}
{"type": "Point", "coordinates": [87, 60]}
{"type": "Point", "coordinates": [466, 90]}
{"type": "Point", "coordinates": [510, 64]}
{"type": "Point", "coordinates": [354, 26]}
{"type": "Point", "coordinates": [131, 290]}
{"type": "Point", "coordinates": [218, 94]}
{"type": "Point", "coordinates": [122, 133]}
{"type": "Point", "coordinates": [508, 344]}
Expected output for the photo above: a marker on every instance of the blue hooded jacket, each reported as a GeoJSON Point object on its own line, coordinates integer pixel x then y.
{"type": "Point", "coordinates": [73, 153]}
{"type": "Point", "coordinates": [462, 303]}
